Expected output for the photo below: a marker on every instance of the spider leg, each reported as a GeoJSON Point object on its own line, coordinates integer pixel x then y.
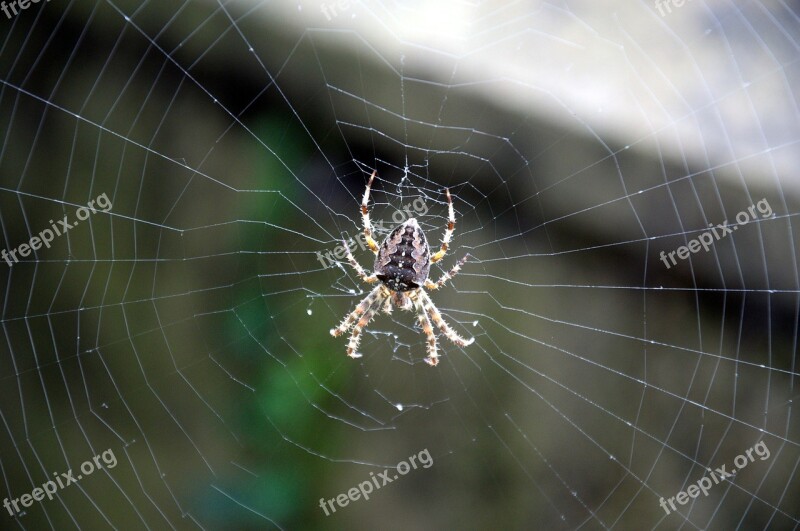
{"type": "Point", "coordinates": [362, 307]}
{"type": "Point", "coordinates": [436, 316]}
{"type": "Point", "coordinates": [448, 233]}
{"type": "Point", "coordinates": [369, 279]}
{"type": "Point", "coordinates": [447, 276]}
{"type": "Point", "coordinates": [355, 337]}
{"type": "Point", "coordinates": [433, 355]}
{"type": "Point", "coordinates": [387, 305]}
{"type": "Point", "coordinates": [373, 245]}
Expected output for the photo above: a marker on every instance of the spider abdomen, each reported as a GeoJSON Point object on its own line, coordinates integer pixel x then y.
{"type": "Point", "coordinates": [403, 260]}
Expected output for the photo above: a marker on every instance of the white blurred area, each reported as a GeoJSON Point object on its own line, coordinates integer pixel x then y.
{"type": "Point", "coordinates": [709, 84]}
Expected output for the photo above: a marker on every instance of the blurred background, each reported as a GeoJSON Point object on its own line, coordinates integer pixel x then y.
{"type": "Point", "coordinates": [186, 328]}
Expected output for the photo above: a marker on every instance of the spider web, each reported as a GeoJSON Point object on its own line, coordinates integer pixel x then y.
{"type": "Point", "coordinates": [186, 328]}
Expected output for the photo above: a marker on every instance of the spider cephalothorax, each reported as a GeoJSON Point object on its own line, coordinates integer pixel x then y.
{"type": "Point", "coordinates": [402, 264]}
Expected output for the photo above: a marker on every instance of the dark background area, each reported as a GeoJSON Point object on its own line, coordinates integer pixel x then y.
{"type": "Point", "coordinates": [187, 329]}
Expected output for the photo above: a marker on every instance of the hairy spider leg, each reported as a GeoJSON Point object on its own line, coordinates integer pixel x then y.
{"type": "Point", "coordinates": [369, 279]}
{"type": "Point", "coordinates": [448, 234]}
{"type": "Point", "coordinates": [373, 246]}
{"type": "Point", "coordinates": [447, 276]}
{"type": "Point", "coordinates": [433, 355]}
{"type": "Point", "coordinates": [387, 305]}
{"type": "Point", "coordinates": [376, 294]}
{"type": "Point", "coordinates": [440, 322]}
{"type": "Point", "coordinates": [355, 337]}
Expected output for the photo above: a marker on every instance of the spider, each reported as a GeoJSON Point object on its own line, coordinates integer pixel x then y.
{"type": "Point", "coordinates": [402, 264]}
